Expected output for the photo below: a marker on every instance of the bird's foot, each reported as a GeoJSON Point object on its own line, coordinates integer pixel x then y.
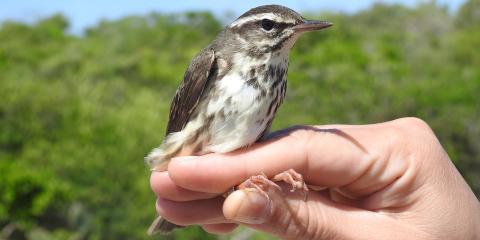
{"type": "Point", "coordinates": [265, 185]}
{"type": "Point", "coordinates": [295, 179]}
{"type": "Point", "coordinates": [261, 183]}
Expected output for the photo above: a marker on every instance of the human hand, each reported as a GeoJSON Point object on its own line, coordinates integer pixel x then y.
{"type": "Point", "coordinates": [390, 180]}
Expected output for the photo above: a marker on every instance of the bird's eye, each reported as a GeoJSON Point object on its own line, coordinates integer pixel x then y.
{"type": "Point", "coordinates": [267, 24]}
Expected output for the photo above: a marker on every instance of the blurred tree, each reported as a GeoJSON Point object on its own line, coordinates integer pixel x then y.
{"type": "Point", "coordinates": [79, 113]}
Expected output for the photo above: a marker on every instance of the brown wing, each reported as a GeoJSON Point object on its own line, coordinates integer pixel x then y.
{"type": "Point", "coordinates": [188, 94]}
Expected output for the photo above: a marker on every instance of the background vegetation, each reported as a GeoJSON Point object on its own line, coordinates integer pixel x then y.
{"type": "Point", "coordinates": [79, 113]}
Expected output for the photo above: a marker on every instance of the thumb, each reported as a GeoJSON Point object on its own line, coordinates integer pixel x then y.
{"type": "Point", "coordinates": [248, 206]}
{"type": "Point", "coordinates": [288, 216]}
{"type": "Point", "coordinates": [280, 213]}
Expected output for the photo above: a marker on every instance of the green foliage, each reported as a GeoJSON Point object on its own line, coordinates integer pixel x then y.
{"type": "Point", "coordinates": [79, 113]}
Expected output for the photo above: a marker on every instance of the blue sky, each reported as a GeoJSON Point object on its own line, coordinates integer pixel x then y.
{"type": "Point", "coordinates": [84, 13]}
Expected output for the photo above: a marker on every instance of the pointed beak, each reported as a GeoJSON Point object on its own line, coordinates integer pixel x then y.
{"type": "Point", "coordinates": [312, 25]}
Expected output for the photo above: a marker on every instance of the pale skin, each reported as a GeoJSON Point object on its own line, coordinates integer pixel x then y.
{"type": "Point", "coordinates": [390, 180]}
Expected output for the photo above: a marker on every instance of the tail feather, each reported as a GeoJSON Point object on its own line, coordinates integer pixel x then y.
{"type": "Point", "coordinates": [158, 160]}
{"type": "Point", "coordinates": [159, 157]}
{"type": "Point", "coordinates": [161, 226]}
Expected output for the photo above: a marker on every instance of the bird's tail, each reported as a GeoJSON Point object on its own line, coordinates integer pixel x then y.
{"type": "Point", "coordinates": [158, 161]}
{"type": "Point", "coordinates": [161, 226]}
{"type": "Point", "coordinates": [158, 158]}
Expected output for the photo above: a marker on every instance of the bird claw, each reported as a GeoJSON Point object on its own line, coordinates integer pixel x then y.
{"type": "Point", "coordinates": [295, 179]}
{"type": "Point", "coordinates": [260, 183]}
{"type": "Point", "coordinates": [265, 185]}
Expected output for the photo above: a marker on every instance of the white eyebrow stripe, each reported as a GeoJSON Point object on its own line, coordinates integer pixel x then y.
{"type": "Point", "coordinates": [258, 17]}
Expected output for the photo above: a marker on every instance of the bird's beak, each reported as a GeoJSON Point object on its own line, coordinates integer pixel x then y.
{"type": "Point", "coordinates": [311, 25]}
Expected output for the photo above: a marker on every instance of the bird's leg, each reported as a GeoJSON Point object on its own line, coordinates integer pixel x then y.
{"type": "Point", "coordinates": [265, 185]}
{"type": "Point", "coordinates": [261, 183]}
{"type": "Point", "coordinates": [295, 179]}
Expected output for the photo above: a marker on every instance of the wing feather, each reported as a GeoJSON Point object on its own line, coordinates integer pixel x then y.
{"type": "Point", "coordinates": [190, 90]}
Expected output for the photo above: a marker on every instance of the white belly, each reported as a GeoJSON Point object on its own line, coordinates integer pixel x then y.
{"type": "Point", "coordinates": [245, 116]}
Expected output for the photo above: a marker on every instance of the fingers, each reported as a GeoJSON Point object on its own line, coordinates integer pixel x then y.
{"type": "Point", "coordinates": [287, 216]}
{"type": "Point", "coordinates": [192, 212]}
{"type": "Point", "coordinates": [216, 173]}
{"type": "Point", "coordinates": [320, 154]}
{"type": "Point", "coordinates": [163, 186]}
{"type": "Point", "coordinates": [357, 163]}
{"type": "Point", "coordinates": [247, 206]}
{"type": "Point", "coordinates": [175, 204]}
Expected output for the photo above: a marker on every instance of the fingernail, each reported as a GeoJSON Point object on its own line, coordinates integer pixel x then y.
{"type": "Point", "coordinates": [247, 206]}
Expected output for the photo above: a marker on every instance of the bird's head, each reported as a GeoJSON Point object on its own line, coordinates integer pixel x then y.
{"type": "Point", "coordinates": [270, 29]}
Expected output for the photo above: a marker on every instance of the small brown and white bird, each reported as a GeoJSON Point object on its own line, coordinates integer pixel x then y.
{"type": "Point", "coordinates": [232, 88]}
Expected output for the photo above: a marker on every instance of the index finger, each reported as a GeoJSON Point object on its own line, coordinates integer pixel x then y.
{"type": "Point", "coordinates": [327, 156]}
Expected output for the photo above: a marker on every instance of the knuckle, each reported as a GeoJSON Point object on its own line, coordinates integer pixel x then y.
{"type": "Point", "coordinates": [413, 125]}
{"type": "Point", "coordinates": [410, 131]}
{"type": "Point", "coordinates": [413, 141]}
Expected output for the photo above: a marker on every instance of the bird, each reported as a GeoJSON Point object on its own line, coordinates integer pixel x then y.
{"type": "Point", "coordinates": [231, 91]}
